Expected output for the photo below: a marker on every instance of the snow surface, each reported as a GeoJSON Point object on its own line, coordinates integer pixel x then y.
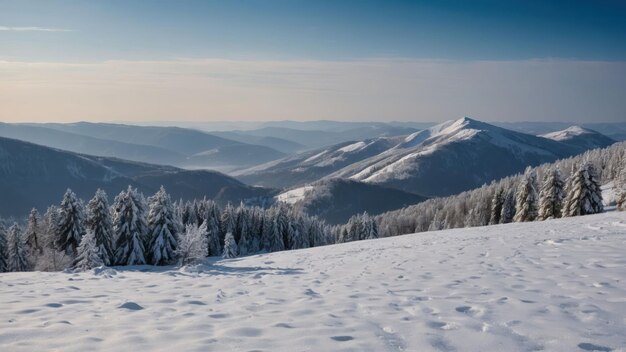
{"type": "Point", "coordinates": [294, 195]}
{"type": "Point", "coordinates": [567, 133]}
{"type": "Point", "coordinates": [556, 285]}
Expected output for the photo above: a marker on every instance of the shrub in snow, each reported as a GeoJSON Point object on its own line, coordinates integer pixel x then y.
{"type": "Point", "coordinates": [526, 199]}
{"type": "Point", "coordinates": [18, 255]}
{"type": "Point", "coordinates": [70, 226]}
{"type": "Point", "coordinates": [584, 195]}
{"type": "Point", "coordinates": [89, 255]}
{"type": "Point", "coordinates": [164, 227]}
{"type": "Point", "coordinates": [192, 244]}
{"type": "Point", "coordinates": [230, 246]}
{"type": "Point", "coordinates": [551, 195]}
{"type": "Point", "coordinates": [99, 222]}
{"type": "Point", "coordinates": [129, 226]}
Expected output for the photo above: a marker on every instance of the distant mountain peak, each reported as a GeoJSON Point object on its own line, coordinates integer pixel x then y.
{"type": "Point", "coordinates": [569, 133]}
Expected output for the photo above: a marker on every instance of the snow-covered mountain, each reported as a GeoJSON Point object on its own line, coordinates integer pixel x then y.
{"type": "Point", "coordinates": [581, 137]}
{"type": "Point", "coordinates": [159, 145]}
{"type": "Point", "coordinates": [36, 176]}
{"type": "Point", "coordinates": [554, 285]}
{"type": "Point", "coordinates": [336, 200]}
{"type": "Point", "coordinates": [445, 159]}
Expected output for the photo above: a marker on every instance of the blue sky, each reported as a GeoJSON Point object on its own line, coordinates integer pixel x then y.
{"type": "Point", "coordinates": [296, 59]}
{"type": "Point", "coordinates": [297, 29]}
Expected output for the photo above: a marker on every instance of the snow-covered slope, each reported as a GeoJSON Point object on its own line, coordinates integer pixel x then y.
{"type": "Point", "coordinates": [554, 286]}
{"type": "Point", "coordinates": [445, 159]}
{"type": "Point", "coordinates": [583, 138]}
{"type": "Point", "coordinates": [336, 200]}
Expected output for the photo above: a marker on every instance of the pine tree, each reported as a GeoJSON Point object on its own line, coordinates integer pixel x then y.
{"type": "Point", "coordinates": [99, 222]}
{"type": "Point", "coordinates": [230, 246]}
{"type": "Point", "coordinates": [18, 255]}
{"type": "Point", "coordinates": [89, 254]}
{"type": "Point", "coordinates": [584, 195]}
{"type": "Point", "coordinates": [163, 228]}
{"type": "Point", "coordinates": [33, 233]}
{"type": "Point", "coordinates": [551, 195]}
{"type": "Point", "coordinates": [4, 250]}
{"type": "Point", "coordinates": [192, 244]}
{"type": "Point", "coordinates": [508, 207]}
{"type": "Point", "coordinates": [496, 206]}
{"type": "Point", "coordinates": [70, 227]}
{"type": "Point", "coordinates": [526, 199]}
{"type": "Point", "coordinates": [129, 226]}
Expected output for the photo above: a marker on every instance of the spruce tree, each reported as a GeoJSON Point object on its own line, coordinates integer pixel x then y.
{"type": "Point", "coordinates": [497, 201]}
{"type": "Point", "coordinates": [551, 195]}
{"type": "Point", "coordinates": [526, 199]}
{"type": "Point", "coordinates": [584, 195]}
{"type": "Point", "coordinates": [508, 207]}
{"type": "Point", "coordinates": [70, 227]}
{"type": "Point", "coordinates": [129, 226]}
{"type": "Point", "coordinates": [230, 246]}
{"type": "Point", "coordinates": [620, 190]}
{"type": "Point", "coordinates": [213, 231]}
{"type": "Point", "coordinates": [33, 233]}
{"type": "Point", "coordinates": [99, 223]}
{"type": "Point", "coordinates": [18, 254]}
{"type": "Point", "coordinates": [4, 250]}
{"type": "Point", "coordinates": [163, 229]}
{"type": "Point", "coordinates": [89, 254]}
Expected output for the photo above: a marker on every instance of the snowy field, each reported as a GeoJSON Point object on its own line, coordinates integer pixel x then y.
{"type": "Point", "coordinates": [555, 286]}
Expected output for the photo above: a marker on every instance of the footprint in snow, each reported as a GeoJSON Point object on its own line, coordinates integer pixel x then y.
{"type": "Point", "coordinates": [342, 338]}
{"type": "Point", "coordinates": [592, 347]}
{"type": "Point", "coordinates": [131, 306]}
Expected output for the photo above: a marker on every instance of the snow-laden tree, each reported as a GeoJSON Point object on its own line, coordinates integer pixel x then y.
{"type": "Point", "coordinates": [163, 229]}
{"type": "Point", "coordinates": [551, 195]}
{"type": "Point", "coordinates": [244, 236]}
{"type": "Point", "coordinates": [18, 254]}
{"type": "Point", "coordinates": [620, 189]}
{"type": "Point", "coordinates": [192, 244]}
{"type": "Point", "coordinates": [99, 223]}
{"type": "Point", "coordinates": [508, 207]}
{"type": "Point", "coordinates": [497, 201]}
{"type": "Point", "coordinates": [89, 254]}
{"type": "Point", "coordinates": [70, 226]}
{"type": "Point", "coordinates": [527, 199]}
{"type": "Point", "coordinates": [51, 259]}
{"type": "Point", "coordinates": [228, 221]}
{"type": "Point", "coordinates": [584, 195]}
{"type": "Point", "coordinates": [212, 222]}
{"type": "Point", "coordinates": [4, 250]}
{"type": "Point", "coordinates": [130, 228]}
{"type": "Point", "coordinates": [272, 238]}
{"type": "Point", "coordinates": [230, 246]}
{"type": "Point", "coordinates": [33, 233]}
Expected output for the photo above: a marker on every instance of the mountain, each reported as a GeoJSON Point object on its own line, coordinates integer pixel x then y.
{"type": "Point", "coordinates": [580, 137]}
{"type": "Point", "coordinates": [613, 130]}
{"type": "Point", "coordinates": [445, 159]}
{"type": "Point", "coordinates": [163, 145]}
{"type": "Point", "coordinates": [336, 200]}
{"type": "Point", "coordinates": [37, 176]}
{"type": "Point", "coordinates": [280, 144]}
{"type": "Point", "coordinates": [313, 165]}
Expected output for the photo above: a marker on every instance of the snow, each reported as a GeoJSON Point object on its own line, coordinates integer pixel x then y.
{"type": "Point", "coordinates": [294, 195]}
{"type": "Point", "coordinates": [353, 147]}
{"type": "Point", "coordinates": [566, 134]}
{"type": "Point", "coordinates": [555, 285]}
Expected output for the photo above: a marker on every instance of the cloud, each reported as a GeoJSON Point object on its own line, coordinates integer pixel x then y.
{"type": "Point", "coordinates": [32, 29]}
{"type": "Point", "coordinates": [368, 90]}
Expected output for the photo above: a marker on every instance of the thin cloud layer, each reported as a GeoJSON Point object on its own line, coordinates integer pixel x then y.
{"type": "Point", "coordinates": [32, 29]}
{"type": "Point", "coordinates": [375, 89]}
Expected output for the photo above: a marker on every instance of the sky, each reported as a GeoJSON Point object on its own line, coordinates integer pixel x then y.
{"type": "Point", "coordinates": [361, 60]}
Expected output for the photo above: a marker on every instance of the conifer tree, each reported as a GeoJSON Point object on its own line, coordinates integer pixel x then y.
{"type": "Point", "coordinates": [526, 199]}
{"type": "Point", "coordinates": [99, 223]}
{"type": "Point", "coordinates": [496, 206]}
{"type": "Point", "coordinates": [551, 195]}
{"type": "Point", "coordinates": [4, 250]}
{"type": "Point", "coordinates": [89, 254]}
{"type": "Point", "coordinates": [70, 227]}
{"type": "Point", "coordinates": [163, 229]}
{"type": "Point", "coordinates": [584, 195]}
{"type": "Point", "coordinates": [230, 246]}
{"type": "Point", "coordinates": [508, 207]}
{"type": "Point", "coordinates": [33, 233]}
{"type": "Point", "coordinates": [620, 190]}
{"type": "Point", "coordinates": [213, 231]}
{"type": "Point", "coordinates": [18, 254]}
{"type": "Point", "coordinates": [129, 226]}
